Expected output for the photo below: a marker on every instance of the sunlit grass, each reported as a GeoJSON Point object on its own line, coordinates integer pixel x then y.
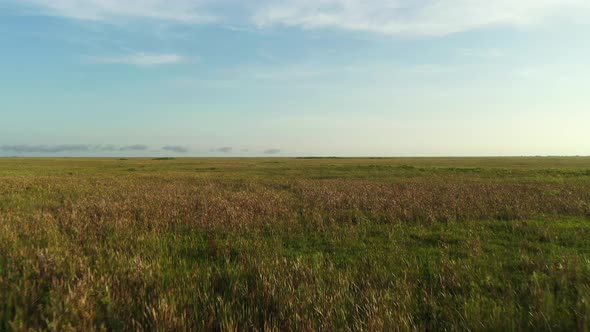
{"type": "Point", "coordinates": [294, 244]}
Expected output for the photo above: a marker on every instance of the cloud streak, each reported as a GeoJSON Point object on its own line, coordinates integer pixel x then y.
{"type": "Point", "coordinates": [272, 151]}
{"type": "Point", "coordinates": [176, 148]}
{"type": "Point", "coordinates": [225, 149]}
{"type": "Point", "coordinates": [97, 149]}
{"type": "Point", "coordinates": [136, 147]}
{"type": "Point", "coordinates": [69, 148]}
{"type": "Point", "coordinates": [182, 11]}
{"type": "Point", "coordinates": [405, 18]}
{"type": "Point", "coordinates": [108, 147]}
{"type": "Point", "coordinates": [23, 148]}
{"type": "Point", "coordinates": [415, 18]}
{"type": "Point", "coordinates": [141, 59]}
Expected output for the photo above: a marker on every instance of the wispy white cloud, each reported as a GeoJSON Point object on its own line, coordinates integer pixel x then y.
{"type": "Point", "coordinates": [416, 18]}
{"type": "Point", "coordinates": [405, 18]}
{"type": "Point", "coordinates": [141, 59]}
{"type": "Point", "coordinates": [186, 11]}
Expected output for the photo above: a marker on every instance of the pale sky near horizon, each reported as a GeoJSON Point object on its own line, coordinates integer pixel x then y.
{"type": "Point", "coordinates": [294, 77]}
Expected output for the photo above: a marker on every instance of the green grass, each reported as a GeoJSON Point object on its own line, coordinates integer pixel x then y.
{"type": "Point", "coordinates": [295, 244]}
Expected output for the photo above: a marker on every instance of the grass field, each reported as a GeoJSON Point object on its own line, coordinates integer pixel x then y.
{"type": "Point", "coordinates": [295, 244]}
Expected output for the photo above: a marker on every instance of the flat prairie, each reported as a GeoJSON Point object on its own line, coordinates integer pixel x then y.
{"type": "Point", "coordinates": [275, 244]}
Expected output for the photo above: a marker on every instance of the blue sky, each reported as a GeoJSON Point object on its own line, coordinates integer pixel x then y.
{"type": "Point", "coordinates": [294, 77]}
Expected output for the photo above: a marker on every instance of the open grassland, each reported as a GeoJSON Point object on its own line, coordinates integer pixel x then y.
{"type": "Point", "coordinates": [295, 244]}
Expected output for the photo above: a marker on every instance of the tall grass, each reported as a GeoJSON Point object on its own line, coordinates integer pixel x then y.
{"type": "Point", "coordinates": [254, 245]}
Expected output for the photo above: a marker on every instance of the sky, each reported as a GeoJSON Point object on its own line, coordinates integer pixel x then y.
{"type": "Point", "coordinates": [294, 77]}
